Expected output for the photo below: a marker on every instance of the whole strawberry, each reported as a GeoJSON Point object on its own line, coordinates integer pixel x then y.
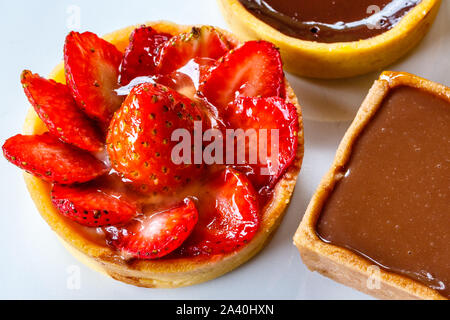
{"type": "Point", "coordinates": [139, 138]}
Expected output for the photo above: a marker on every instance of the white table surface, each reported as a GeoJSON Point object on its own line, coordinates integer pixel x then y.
{"type": "Point", "coordinates": [34, 265]}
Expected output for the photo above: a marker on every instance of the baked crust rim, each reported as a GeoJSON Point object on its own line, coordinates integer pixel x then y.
{"type": "Point", "coordinates": [341, 264]}
{"type": "Point", "coordinates": [159, 273]}
{"type": "Point", "coordinates": [339, 59]}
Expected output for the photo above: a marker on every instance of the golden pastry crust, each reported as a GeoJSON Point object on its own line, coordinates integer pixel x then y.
{"type": "Point", "coordinates": [338, 263]}
{"type": "Point", "coordinates": [340, 59]}
{"type": "Point", "coordinates": [162, 273]}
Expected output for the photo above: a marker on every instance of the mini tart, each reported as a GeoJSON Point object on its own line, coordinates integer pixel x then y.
{"type": "Point", "coordinates": [340, 59]}
{"type": "Point", "coordinates": [163, 273]}
{"type": "Point", "coordinates": [338, 263]}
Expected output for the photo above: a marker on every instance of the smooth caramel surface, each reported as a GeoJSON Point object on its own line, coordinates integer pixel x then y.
{"type": "Point", "coordinates": [392, 204]}
{"type": "Point", "coordinates": [330, 20]}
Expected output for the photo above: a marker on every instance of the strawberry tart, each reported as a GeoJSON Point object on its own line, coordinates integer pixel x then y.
{"type": "Point", "coordinates": [135, 155]}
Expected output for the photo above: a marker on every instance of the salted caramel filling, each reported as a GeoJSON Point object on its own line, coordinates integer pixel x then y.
{"type": "Point", "coordinates": [330, 20]}
{"type": "Point", "coordinates": [392, 204]}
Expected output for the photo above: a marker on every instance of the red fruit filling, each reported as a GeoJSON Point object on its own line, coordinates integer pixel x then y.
{"type": "Point", "coordinates": [139, 57]}
{"type": "Point", "coordinates": [254, 69]}
{"type": "Point", "coordinates": [93, 206]}
{"type": "Point", "coordinates": [56, 106]}
{"type": "Point", "coordinates": [203, 42]}
{"type": "Point", "coordinates": [229, 215]}
{"type": "Point", "coordinates": [278, 146]}
{"type": "Point", "coordinates": [155, 234]}
{"type": "Point", "coordinates": [144, 201]}
{"type": "Point", "coordinates": [52, 160]}
{"type": "Point", "coordinates": [139, 140]}
{"type": "Point", "coordinates": [92, 68]}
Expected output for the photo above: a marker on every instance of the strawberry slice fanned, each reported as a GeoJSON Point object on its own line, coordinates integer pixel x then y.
{"type": "Point", "coordinates": [155, 235]}
{"type": "Point", "coordinates": [92, 70]}
{"type": "Point", "coordinates": [139, 57]}
{"type": "Point", "coordinates": [275, 125]}
{"type": "Point", "coordinates": [94, 206]}
{"type": "Point", "coordinates": [46, 157]}
{"type": "Point", "coordinates": [201, 42]}
{"type": "Point", "coordinates": [55, 106]}
{"type": "Point", "coordinates": [228, 215]}
{"type": "Point", "coordinates": [253, 69]}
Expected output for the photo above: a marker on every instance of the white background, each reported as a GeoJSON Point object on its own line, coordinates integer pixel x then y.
{"type": "Point", "coordinates": [34, 264]}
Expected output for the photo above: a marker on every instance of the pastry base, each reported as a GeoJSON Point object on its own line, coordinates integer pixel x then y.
{"type": "Point", "coordinates": [338, 263]}
{"type": "Point", "coordinates": [163, 273]}
{"type": "Point", "coordinates": [340, 59]}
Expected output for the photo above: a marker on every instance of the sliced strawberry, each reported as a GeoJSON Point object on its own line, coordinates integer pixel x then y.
{"type": "Point", "coordinates": [52, 160]}
{"type": "Point", "coordinates": [139, 57]}
{"type": "Point", "coordinates": [203, 42]}
{"type": "Point", "coordinates": [179, 82]}
{"type": "Point", "coordinates": [228, 215]}
{"type": "Point", "coordinates": [92, 70]}
{"type": "Point", "coordinates": [155, 235]}
{"type": "Point", "coordinates": [204, 66]}
{"type": "Point", "coordinates": [267, 116]}
{"type": "Point", "coordinates": [187, 79]}
{"type": "Point", "coordinates": [139, 139]}
{"type": "Point", "coordinates": [92, 206]}
{"type": "Point", "coordinates": [254, 70]}
{"type": "Point", "coordinates": [55, 106]}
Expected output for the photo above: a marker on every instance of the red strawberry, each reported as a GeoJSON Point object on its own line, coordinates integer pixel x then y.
{"type": "Point", "coordinates": [204, 66]}
{"type": "Point", "coordinates": [92, 70]}
{"type": "Point", "coordinates": [139, 58]}
{"type": "Point", "coordinates": [179, 82]}
{"type": "Point", "coordinates": [139, 138]}
{"type": "Point", "coordinates": [93, 206]}
{"type": "Point", "coordinates": [52, 160]}
{"type": "Point", "coordinates": [155, 235]}
{"type": "Point", "coordinates": [228, 215]}
{"type": "Point", "coordinates": [186, 80]}
{"type": "Point", "coordinates": [203, 42]}
{"type": "Point", "coordinates": [264, 113]}
{"type": "Point", "coordinates": [55, 105]}
{"type": "Point", "coordinates": [254, 70]}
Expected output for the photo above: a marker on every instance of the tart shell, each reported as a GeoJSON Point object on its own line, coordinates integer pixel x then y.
{"type": "Point", "coordinates": [338, 263]}
{"type": "Point", "coordinates": [162, 273]}
{"type": "Point", "coordinates": [340, 59]}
